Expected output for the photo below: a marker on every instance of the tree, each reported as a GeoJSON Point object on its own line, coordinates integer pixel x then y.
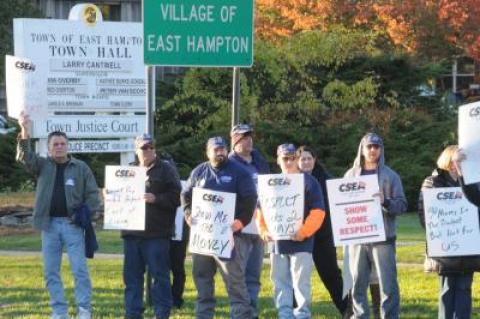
{"type": "Point", "coordinates": [8, 11]}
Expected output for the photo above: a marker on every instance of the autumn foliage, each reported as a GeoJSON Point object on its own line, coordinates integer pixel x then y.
{"type": "Point", "coordinates": [433, 28]}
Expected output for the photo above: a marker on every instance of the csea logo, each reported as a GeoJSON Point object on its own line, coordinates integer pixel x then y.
{"type": "Point", "coordinates": [213, 198]}
{"type": "Point", "coordinates": [25, 66]}
{"type": "Point", "coordinates": [449, 195]}
{"type": "Point", "coordinates": [352, 187]}
{"type": "Point", "coordinates": [475, 111]}
{"type": "Point", "coordinates": [279, 181]}
{"type": "Point", "coordinates": [124, 173]}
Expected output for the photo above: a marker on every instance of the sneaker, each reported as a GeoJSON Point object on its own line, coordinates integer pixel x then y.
{"type": "Point", "coordinates": [84, 313]}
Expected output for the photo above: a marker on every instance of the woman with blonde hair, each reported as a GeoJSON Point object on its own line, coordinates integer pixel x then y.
{"type": "Point", "coordinates": [455, 273]}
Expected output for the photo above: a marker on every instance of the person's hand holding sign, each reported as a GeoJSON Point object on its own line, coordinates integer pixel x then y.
{"type": "Point", "coordinates": [298, 236]}
{"type": "Point", "coordinates": [24, 122]}
{"type": "Point", "coordinates": [458, 157]}
{"type": "Point", "coordinates": [149, 198]}
{"type": "Point", "coordinates": [237, 225]}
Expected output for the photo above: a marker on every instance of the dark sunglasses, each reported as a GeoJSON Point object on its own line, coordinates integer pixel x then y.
{"type": "Point", "coordinates": [374, 146]}
{"type": "Point", "coordinates": [146, 147]}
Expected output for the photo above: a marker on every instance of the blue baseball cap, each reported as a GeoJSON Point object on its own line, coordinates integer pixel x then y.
{"type": "Point", "coordinates": [241, 129]}
{"type": "Point", "coordinates": [372, 138]}
{"type": "Point", "coordinates": [286, 149]}
{"type": "Point", "coordinates": [216, 141]}
{"type": "Point", "coordinates": [144, 139]}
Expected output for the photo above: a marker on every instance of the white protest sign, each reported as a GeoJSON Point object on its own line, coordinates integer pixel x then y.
{"type": "Point", "coordinates": [23, 86]}
{"type": "Point", "coordinates": [179, 218]}
{"type": "Point", "coordinates": [469, 140]}
{"type": "Point", "coordinates": [282, 201]}
{"type": "Point", "coordinates": [85, 66]}
{"type": "Point", "coordinates": [213, 213]}
{"type": "Point", "coordinates": [451, 223]}
{"type": "Point", "coordinates": [355, 211]}
{"type": "Point", "coordinates": [124, 202]}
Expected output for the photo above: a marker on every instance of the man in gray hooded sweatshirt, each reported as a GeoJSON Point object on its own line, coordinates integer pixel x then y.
{"type": "Point", "coordinates": [381, 255]}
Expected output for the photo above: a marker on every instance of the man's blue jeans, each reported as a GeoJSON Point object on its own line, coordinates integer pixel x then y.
{"type": "Point", "coordinates": [253, 268]}
{"type": "Point", "coordinates": [62, 233]}
{"type": "Point", "coordinates": [140, 253]}
{"type": "Point", "coordinates": [381, 257]}
{"type": "Point", "coordinates": [455, 300]}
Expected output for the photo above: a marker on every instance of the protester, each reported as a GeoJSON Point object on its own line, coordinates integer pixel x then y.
{"type": "Point", "coordinates": [455, 273]}
{"type": "Point", "coordinates": [291, 260]}
{"type": "Point", "coordinates": [324, 252]}
{"type": "Point", "coordinates": [381, 255]}
{"type": "Point", "coordinates": [244, 154]}
{"type": "Point", "coordinates": [221, 174]}
{"type": "Point", "coordinates": [150, 247]}
{"type": "Point", "coordinates": [64, 184]}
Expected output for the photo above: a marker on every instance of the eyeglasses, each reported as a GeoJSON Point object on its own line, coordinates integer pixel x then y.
{"type": "Point", "coordinates": [146, 147]}
{"type": "Point", "coordinates": [288, 158]}
{"type": "Point", "coordinates": [374, 146]}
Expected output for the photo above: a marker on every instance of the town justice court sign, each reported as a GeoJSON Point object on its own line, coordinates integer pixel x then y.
{"type": "Point", "coordinates": [198, 32]}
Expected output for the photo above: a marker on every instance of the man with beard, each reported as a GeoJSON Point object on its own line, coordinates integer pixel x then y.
{"type": "Point", "coordinates": [221, 174]}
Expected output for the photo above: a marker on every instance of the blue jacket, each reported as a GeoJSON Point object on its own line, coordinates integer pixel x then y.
{"type": "Point", "coordinates": [82, 219]}
{"type": "Point", "coordinates": [229, 177]}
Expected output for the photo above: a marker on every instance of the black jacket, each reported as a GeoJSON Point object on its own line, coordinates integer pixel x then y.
{"type": "Point", "coordinates": [164, 183]}
{"type": "Point", "coordinates": [450, 265]}
{"type": "Point", "coordinates": [321, 175]}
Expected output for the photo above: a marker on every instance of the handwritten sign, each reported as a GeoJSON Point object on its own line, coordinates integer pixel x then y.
{"type": "Point", "coordinates": [212, 217]}
{"type": "Point", "coordinates": [469, 140]}
{"type": "Point", "coordinates": [355, 212]}
{"type": "Point", "coordinates": [281, 198]}
{"type": "Point", "coordinates": [179, 218]}
{"type": "Point", "coordinates": [124, 202]}
{"type": "Point", "coordinates": [451, 223]}
{"type": "Point", "coordinates": [23, 86]}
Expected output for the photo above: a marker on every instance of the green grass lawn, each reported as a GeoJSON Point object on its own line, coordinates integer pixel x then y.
{"type": "Point", "coordinates": [22, 292]}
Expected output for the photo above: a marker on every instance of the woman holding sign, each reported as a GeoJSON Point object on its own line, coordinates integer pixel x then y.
{"type": "Point", "coordinates": [324, 252]}
{"type": "Point", "coordinates": [455, 273]}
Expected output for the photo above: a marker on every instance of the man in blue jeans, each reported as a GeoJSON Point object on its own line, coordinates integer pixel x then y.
{"type": "Point", "coordinates": [244, 154]}
{"type": "Point", "coordinates": [150, 247]}
{"type": "Point", "coordinates": [63, 184]}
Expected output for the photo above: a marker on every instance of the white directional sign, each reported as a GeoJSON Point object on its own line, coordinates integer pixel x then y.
{"type": "Point", "coordinates": [85, 126]}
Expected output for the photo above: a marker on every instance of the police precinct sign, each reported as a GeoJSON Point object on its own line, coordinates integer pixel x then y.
{"type": "Point", "coordinates": [85, 67]}
{"type": "Point", "coordinates": [198, 32]}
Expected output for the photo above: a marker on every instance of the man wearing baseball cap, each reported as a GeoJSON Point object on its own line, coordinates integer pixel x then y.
{"type": "Point", "coordinates": [291, 260]}
{"type": "Point", "coordinates": [150, 247]}
{"type": "Point", "coordinates": [363, 258]}
{"type": "Point", "coordinates": [221, 174]}
{"type": "Point", "coordinates": [244, 154]}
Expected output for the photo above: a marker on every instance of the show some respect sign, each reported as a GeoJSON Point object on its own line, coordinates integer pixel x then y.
{"type": "Point", "coordinates": [198, 32]}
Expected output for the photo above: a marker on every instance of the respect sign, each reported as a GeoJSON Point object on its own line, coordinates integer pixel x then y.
{"type": "Point", "coordinates": [124, 202]}
{"type": "Point", "coordinates": [355, 211]}
{"type": "Point", "coordinates": [451, 222]}
{"type": "Point", "coordinates": [213, 213]}
{"type": "Point", "coordinates": [469, 140]}
{"type": "Point", "coordinates": [198, 33]}
{"type": "Point", "coordinates": [282, 200]}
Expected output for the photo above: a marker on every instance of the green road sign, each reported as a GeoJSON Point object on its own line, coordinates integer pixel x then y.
{"type": "Point", "coordinates": [198, 32]}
